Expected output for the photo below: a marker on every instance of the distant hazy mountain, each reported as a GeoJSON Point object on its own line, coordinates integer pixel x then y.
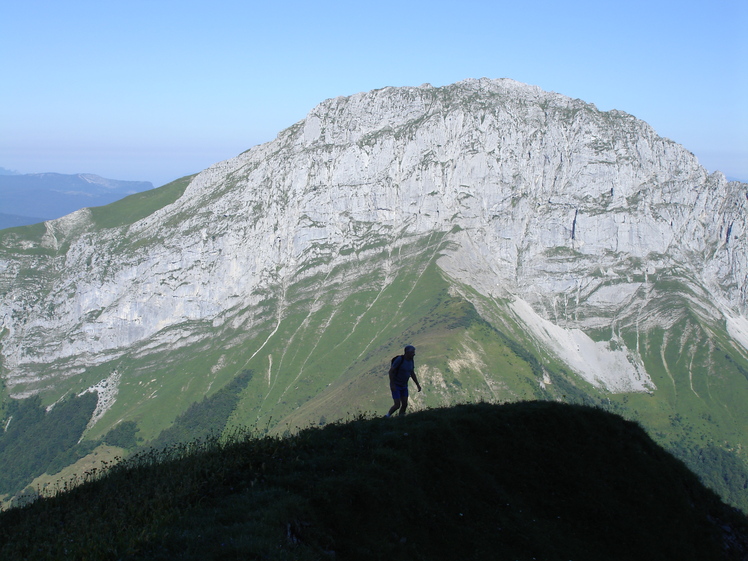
{"type": "Point", "coordinates": [13, 220]}
{"type": "Point", "coordinates": [30, 198]}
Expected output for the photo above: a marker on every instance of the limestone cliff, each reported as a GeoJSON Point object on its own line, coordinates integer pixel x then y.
{"type": "Point", "coordinates": [566, 211]}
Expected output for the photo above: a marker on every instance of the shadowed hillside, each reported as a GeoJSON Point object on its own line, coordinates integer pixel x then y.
{"type": "Point", "coordinates": [532, 480]}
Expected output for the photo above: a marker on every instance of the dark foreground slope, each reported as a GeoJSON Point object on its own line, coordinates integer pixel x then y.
{"type": "Point", "coordinates": [534, 480]}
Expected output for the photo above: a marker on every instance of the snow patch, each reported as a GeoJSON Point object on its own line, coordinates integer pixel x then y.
{"type": "Point", "coordinates": [615, 370]}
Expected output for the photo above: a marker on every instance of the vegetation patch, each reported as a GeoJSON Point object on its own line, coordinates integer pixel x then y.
{"type": "Point", "coordinates": [206, 417]}
{"type": "Point", "coordinates": [36, 441]}
{"type": "Point", "coordinates": [140, 205]}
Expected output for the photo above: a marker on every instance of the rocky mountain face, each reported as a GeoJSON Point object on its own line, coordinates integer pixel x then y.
{"type": "Point", "coordinates": [595, 254]}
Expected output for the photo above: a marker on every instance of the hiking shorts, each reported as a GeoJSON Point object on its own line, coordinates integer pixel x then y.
{"type": "Point", "coordinates": [399, 392]}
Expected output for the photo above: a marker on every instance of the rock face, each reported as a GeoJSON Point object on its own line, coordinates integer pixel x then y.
{"type": "Point", "coordinates": [569, 212]}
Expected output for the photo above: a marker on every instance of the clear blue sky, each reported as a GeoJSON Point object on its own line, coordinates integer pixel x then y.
{"type": "Point", "coordinates": [154, 90]}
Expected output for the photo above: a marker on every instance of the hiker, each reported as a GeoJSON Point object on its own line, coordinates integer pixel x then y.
{"type": "Point", "coordinates": [402, 370]}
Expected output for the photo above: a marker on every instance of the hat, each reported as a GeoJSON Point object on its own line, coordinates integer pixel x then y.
{"type": "Point", "coordinates": [410, 348]}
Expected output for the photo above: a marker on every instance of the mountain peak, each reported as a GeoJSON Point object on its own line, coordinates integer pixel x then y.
{"type": "Point", "coordinates": [529, 244]}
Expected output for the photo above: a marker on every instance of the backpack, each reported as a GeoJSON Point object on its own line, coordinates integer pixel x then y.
{"type": "Point", "coordinates": [393, 362]}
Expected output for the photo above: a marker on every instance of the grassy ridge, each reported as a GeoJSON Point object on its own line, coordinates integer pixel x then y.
{"type": "Point", "coordinates": [519, 481]}
{"type": "Point", "coordinates": [135, 207]}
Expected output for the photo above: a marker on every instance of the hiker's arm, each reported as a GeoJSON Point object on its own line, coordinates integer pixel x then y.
{"type": "Point", "coordinates": [416, 380]}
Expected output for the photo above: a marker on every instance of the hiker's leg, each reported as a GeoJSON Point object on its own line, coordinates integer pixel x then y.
{"type": "Point", "coordinates": [403, 404]}
{"type": "Point", "coordinates": [394, 407]}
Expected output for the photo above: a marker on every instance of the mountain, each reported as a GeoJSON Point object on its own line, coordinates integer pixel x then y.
{"type": "Point", "coordinates": [529, 245]}
{"type": "Point", "coordinates": [53, 195]}
{"type": "Point", "coordinates": [502, 482]}
{"type": "Point", "coordinates": [13, 220]}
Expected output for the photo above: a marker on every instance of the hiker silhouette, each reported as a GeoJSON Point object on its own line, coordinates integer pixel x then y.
{"type": "Point", "coordinates": [402, 369]}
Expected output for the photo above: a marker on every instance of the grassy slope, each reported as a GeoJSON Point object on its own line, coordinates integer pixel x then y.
{"type": "Point", "coordinates": [327, 360]}
{"type": "Point", "coordinates": [130, 209]}
{"type": "Point", "coordinates": [700, 408]}
{"type": "Point", "coordinates": [518, 481]}
{"type": "Point", "coordinates": [327, 357]}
